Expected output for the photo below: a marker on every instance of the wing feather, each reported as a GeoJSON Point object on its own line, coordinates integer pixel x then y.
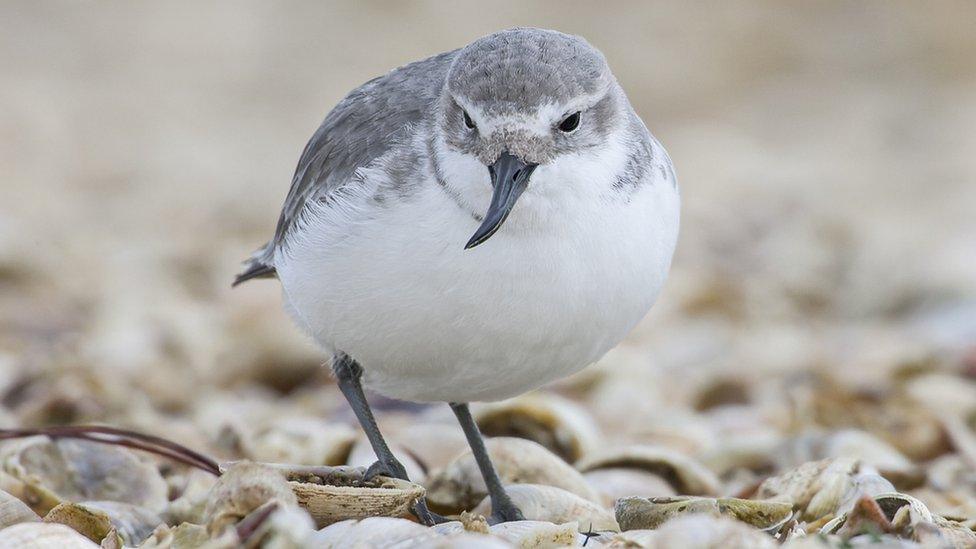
{"type": "Point", "coordinates": [360, 129]}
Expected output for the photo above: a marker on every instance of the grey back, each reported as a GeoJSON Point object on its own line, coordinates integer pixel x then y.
{"type": "Point", "coordinates": [360, 129]}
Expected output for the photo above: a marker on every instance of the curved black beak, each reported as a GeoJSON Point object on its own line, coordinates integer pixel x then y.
{"type": "Point", "coordinates": [509, 177]}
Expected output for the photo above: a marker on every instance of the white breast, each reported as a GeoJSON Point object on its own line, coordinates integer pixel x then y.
{"type": "Point", "coordinates": [572, 271]}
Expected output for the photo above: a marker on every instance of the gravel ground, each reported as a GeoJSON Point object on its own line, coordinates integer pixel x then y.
{"type": "Point", "coordinates": [822, 304]}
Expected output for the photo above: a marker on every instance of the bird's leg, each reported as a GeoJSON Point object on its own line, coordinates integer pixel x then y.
{"type": "Point", "coordinates": [348, 373]}
{"type": "Point", "coordinates": [502, 508]}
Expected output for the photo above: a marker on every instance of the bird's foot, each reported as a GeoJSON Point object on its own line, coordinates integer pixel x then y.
{"type": "Point", "coordinates": [389, 468]}
{"type": "Point", "coordinates": [505, 513]}
{"type": "Point", "coordinates": [425, 515]}
{"type": "Point", "coordinates": [394, 469]}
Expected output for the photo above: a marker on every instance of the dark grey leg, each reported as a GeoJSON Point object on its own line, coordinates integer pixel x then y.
{"type": "Point", "coordinates": [502, 508]}
{"type": "Point", "coordinates": [348, 374]}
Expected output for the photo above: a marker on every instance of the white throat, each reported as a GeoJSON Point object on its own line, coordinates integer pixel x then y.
{"type": "Point", "coordinates": [566, 184]}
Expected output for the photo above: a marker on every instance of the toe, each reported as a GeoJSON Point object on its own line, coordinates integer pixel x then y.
{"type": "Point", "coordinates": [505, 514]}
{"type": "Point", "coordinates": [377, 469]}
{"type": "Point", "coordinates": [425, 515]}
{"type": "Point", "coordinates": [392, 469]}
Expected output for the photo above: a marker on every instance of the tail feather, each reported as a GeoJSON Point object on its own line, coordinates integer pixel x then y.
{"type": "Point", "coordinates": [257, 266]}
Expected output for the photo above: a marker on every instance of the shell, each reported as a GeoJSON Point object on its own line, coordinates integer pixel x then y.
{"type": "Point", "coordinates": [954, 504]}
{"type": "Point", "coordinates": [459, 541]}
{"type": "Point", "coordinates": [624, 540]}
{"type": "Point", "coordinates": [402, 534]}
{"type": "Point", "coordinates": [460, 485]}
{"type": "Point", "coordinates": [78, 470]}
{"type": "Point", "coordinates": [944, 393]}
{"type": "Point", "coordinates": [899, 420]}
{"type": "Point", "coordinates": [704, 531]}
{"type": "Point", "coordinates": [891, 502]}
{"type": "Point", "coordinates": [98, 519]}
{"type": "Point", "coordinates": [562, 426]}
{"type": "Point", "coordinates": [866, 517]}
{"type": "Point", "coordinates": [642, 513]}
{"type": "Point", "coordinates": [551, 504]}
{"type": "Point", "coordinates": [618, 482]}
{"type": "Point", "coordinates": [906, 512]}
{"type": "Point", "coordinates": [909, 518]}
{"type": "Point", "coordinates": [300, 439]}
{"type": "Point", "coordinates": [823, 489]}
{"type": "Point", "coordinates": [191, 490]}
{"type": "Point", "coordinates": [635, 408]}
{"type": "Point", "coordinates": [721, 391]}
{"type": "Point", "coordinates": [879, 541]}
{"type": "Point", "coordinates": [950, 533]}
{"type": "Point", "coordinates": [473, 522]}
{"type": "Point", "coordinates": [754, 453]}
{"type": "Point", "coordinates": [41, 535]}
{"type": "Point", "coordinates": [39, 499]}
{"type": "Point", "coordinates": [696, 532]}
{"type": "Point", "coordinates": [13, 511]}
{"type": "Point", "coordinates": [371, 532]}
{"type": "Point", "coordinates": [532, 533]}
{"type": "Point", "coordinates": [184, 536]}
{"type": "Point", "coordinates": [456, 526]}
{"type": "Point", "coordinates": [336, 494]}
{"type": "Point", "coordinates": [685, 475]}
{"type": "Point", "coordinates": [433, 445]}
{"type": "Point", "coordinates": [276, 525]}
{"type": "Point", "coordinates": [851, 443]}
{"type": "Point", "coordinates": [134, 524]}
{"type": "Point", "coordinates": [94, 524]}
{"type": "Point", "coordinates": [241, 489]}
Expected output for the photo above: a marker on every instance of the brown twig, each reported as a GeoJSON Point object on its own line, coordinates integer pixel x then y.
{"type": "Point", "coordinates": [250, 524]}
{"type": "Point", "coordinates": [122, 437]}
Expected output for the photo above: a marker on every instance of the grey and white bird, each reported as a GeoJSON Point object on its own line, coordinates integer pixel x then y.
{"type": "Point", "coordinates": [472, 226]}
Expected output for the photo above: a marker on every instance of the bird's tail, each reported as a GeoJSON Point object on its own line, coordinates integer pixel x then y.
{"type": "Point", "coordinates": [259, 265]}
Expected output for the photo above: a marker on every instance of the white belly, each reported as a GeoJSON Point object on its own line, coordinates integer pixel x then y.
{"type": "Point", "coordinates": [395, 289]}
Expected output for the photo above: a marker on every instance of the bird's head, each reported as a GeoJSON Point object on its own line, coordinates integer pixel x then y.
{"type": "Point", "coordinates": [518, 101]}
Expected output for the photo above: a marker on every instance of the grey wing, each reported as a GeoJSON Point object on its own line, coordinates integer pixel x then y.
{"type": "Point", "coordinates": [360, 129]}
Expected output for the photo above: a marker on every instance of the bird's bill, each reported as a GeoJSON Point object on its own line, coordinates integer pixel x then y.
{"type": "Point", "coordinates": [509, 177]}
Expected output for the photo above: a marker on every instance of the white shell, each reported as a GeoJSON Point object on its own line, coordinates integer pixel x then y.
{"type": "Point", "coordinates": [77, 470]}
{"type": "Point", "coordinates": [434, 445]}
{"type": "Point", "coordinates": [371, 532]}
{"type": "Point", "coordinates": [684, 474]}
{"type": "Point", "coordinates": [13, 511]}
{"type": "Point", "coordinates": [41, 535]}
{"type": "Point", "coordinates": [551, 504]}
{"type": "Point", "coordinates": [562, 426]}
{"type": "Point", "coordinates": [300, 439]}
{"type": "Point", "coordinates": [533, 533]}
{"type": "Point", "coordinates": [823, 489]}
{"type": "Point", "coordinates": [241, 489]}
{"type": "Point", "coordinates": [702, 532]}
{"type": "Point", "coordinates": [614, 483]}
{"type": "Point", "coordinates": [853, 444]}
{"type": "Point", "coordinates": [460, 486]}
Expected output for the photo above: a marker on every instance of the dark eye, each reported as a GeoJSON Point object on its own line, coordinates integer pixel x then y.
{"type": "Point", "coordinates": [570, 123]}
{"type": "Point", "coordinates": [467, 120]}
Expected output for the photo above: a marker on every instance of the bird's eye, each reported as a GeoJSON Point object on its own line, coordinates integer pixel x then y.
{"type": "Point", "coordinates": [467, 120]}
{"type": "Point", "coordinates": [570, 123]}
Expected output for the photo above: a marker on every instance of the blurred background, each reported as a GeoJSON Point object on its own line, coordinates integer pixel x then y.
{"type": "Point", "coordinates": [827, 262]}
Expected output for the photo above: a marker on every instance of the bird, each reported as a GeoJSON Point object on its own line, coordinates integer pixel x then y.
{"type": "Point", "coordinates": [472, 226]}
